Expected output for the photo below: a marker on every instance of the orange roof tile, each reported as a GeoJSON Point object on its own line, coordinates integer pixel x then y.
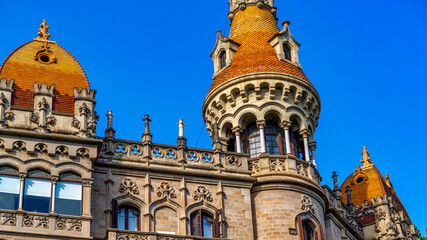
{"type": "Point", "coordinates": [66, 73]}
{"type": "Point", "coordinates": [253, 28]}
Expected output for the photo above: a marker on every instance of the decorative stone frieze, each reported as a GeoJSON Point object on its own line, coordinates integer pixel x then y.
{"type": "Point", "coordinates": [62, 151]}
{"type": "Point", "coordinates": [8, 219]}
{"type": "Point", "coordinates": [73, 225]}
{"type": "Point", "coordinates": [233, 161]}
{"type": "Point", "coordinates": [202, 194]}
{"type": "Point", "coordinates": [166, 190]}
{"type": "Point", "coordinates": [19, 146]}
{"type": "Point", "coordinates": [302, 169]}
{"type": "Point", "coordinates": [83, 153]}
{"type": "Point", "coordinates": [125, 236]}
{"type": "Point", "coordinates": [129, 186]}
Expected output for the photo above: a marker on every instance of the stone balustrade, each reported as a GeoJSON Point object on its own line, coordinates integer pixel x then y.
{"type": "Point", "coordinates": [115, 234]}
{"type": "Point", "coordinates": [160, 155]}
{"type": "Point", "coordinates": [43, 223]}
{"type": "Point", "coordinates": [284, 165]}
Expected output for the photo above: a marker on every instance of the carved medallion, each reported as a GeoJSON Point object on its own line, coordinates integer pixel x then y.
{"type": "Point", "coordinates": [165, 190]}
{"type": "Point", "coordinates": [306, 204]}
{"type": "Point", "coordinates": [202, 193]}
{"type": "Point", "coordinates": [129, 186]}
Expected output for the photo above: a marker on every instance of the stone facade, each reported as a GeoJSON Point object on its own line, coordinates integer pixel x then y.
{"type": "Point", "coordinates": [260, 180]}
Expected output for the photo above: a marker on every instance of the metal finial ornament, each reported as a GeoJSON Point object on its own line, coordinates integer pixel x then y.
{"type": "Point", "coordinates": [43, 31]}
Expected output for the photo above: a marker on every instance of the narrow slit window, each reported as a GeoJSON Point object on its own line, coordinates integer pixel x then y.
{"type": "Point", "coordinates": [222, 59]}
{"type": "Point", "coordinates": [287, 51]}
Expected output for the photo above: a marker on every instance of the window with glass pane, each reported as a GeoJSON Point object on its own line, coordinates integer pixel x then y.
{"type": "Point", "coordinates": [128, 218]}
{"type": "Point", "coordinates": [222, 58]}
{"type": "Point", "coordinates": [253, 139]}
{"type": "Point", "coordinates": [9, 188]}
{"type": "Point", "coordinates": [203, 224]}
{"type": "Point", "coordinates": [37, 195]}
{"type": "Point", "coordinates": [287, 51]}
{"type": "Point", "coordinates": [68, 198]}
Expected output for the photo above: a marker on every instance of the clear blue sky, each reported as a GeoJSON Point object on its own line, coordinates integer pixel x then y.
{"type": "Point", "coordinates": [367, 59]}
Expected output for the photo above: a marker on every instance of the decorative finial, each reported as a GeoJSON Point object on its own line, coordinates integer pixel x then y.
{"type": "Point", "coordinates": [366, 160]}
{"type": "Point", "coordinates": [110, 119]}
{"type": "Point", "coordinates": [43, 31]}
{"type": "Point", "coordinates": [147, 137]}
{"type": "Point", "coordinates": [182, 141]}
{"type": "Point", "coordinates": [350, 204]}
{"type": "Point", "coordinates": [147, 121]}
{"type": "Point", "coordinates": [181, 128]}
{"type": "Point", "coordinates": [387, 178]}
{"type": "Point", "coordinates": [335, 178]}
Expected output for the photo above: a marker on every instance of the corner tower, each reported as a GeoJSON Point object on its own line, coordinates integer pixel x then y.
{"type": "Point", "coordinates": [262, 104]}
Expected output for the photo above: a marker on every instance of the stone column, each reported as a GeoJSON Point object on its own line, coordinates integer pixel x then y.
{"type": "Point", "coordinates": [304, 134]}
{"type": "Point", "coordinates": [22, 177]}
{"type": "Point", "coordinates": [313, 146]}
{"type": "Point", "coordinates": [261, 126]}
{"type": "Point", "coordinates": [286, 125]}
{"type": "Point", "coordinates": [54, 179]}
{"type": "Point", "coordinates": [86, 201]}
{"type": "Point", "coordinates": [237, 132]}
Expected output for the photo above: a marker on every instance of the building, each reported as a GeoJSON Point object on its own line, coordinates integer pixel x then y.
{"type": "Point", "coordinates": [58, 180]}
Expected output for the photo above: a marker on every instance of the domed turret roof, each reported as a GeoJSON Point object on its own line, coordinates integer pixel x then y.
{"type": "Point", "coordinates": [252, 28]}
{"type": "Point", "coordinates": [43, 61]}
{"type": "Point", "coordinates": [366, 183]}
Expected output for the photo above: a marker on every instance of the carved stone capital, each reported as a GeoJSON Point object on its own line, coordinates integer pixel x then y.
{"type": "Point", "coordinates": [87, 182]}
{"type": "Point", "coordinates": [304, 133]}
{"type": "Point", "coordinates": [285, 125]}
{"type": "Point", "coordinates": [260, 124]}
{"type": "Point", "coordinates": [237, 131]}
{"type": "Point", "coordinates": [312, 145]}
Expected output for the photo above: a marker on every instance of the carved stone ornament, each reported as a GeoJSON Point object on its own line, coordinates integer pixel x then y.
{"type": "Point", "coordinates": [83, 153]}
{"type": "Point", "coordinates": [233, 161]}
{"type": "Point", "coordinates": [28, 221]}
{"type": "Point", "coordinates": [43, 222]}
{"type": "Point", "coordinates": [40, 148]}
{"type": "Point", "coordinates": [75, 123]}
{"type": "Point", "coordinates": [254, 166]}
{"type": "Point", "coordinates": [306, 204]}
{"type": "Point", "coordinates": [302, 170]}
{"type": "Point", "coordinates": [8, 219]}
{"type": "Point", "coordinates": [1, 144]}
{"type": "Point", "coordinates": [51, 120]}
{"type": "Point", "coordinates": [202, 193]}
{"type": "Point", "coordinates": [380, 214]}
{"type": "Point", "coordinates": [166, 190]}
{"type": "Point", "coordinates": [129, 186]}
{"type": "Point", "coordinates": [34, 118]}
{"type": "Point", "coordinates": [19, 146]}
{"type": "Point", "coordinates": [277, 166]}
{"type": "Point", "coordinates": [43, 104]}
{"type": "Point", "coordinates": [69, 224]}
{"type": "Point", "coordinates": [9, 115]}
{"type": "Point", "coordinates": [84, 109]}
{"type": "Point", "coordinates": [126, 236]}
{"type": "Point", "coordinates": [62, 151]}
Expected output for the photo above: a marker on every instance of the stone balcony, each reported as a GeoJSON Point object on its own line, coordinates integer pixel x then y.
{"type": "Point", "coordinates": [114, 234]}
{"type": "Point", "coordinates": [283, 168]}
{"type": "Point", "coordinates": [32, 224]}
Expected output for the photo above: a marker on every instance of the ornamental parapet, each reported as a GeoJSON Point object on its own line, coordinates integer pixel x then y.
{"type": "Point", "coordinates": [115, 234]}
{"type": "Point", "coordinates": [41, 224]}
{"type": "Point", "coordinates": [284, 168]}
{"type": "Point", "coordinates": [163, 157]}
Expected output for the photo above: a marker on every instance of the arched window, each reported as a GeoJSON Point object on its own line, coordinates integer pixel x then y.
{"type": "Point", "coordinates": [9, 188]}
{"type": "Point", "coordinates": [308, 233]}
{"type": "Point", "coordinates": [287, 51]}
{"type": "Point", "coordinates": [222, 59]}
{"type": "Point", "coordinates": [68, 194]}
{"type": "Point", "coordinates": [37, 191]}
{"type": "Point", "coordinates": [251, 141]}
{"type": "Point", "coordinates": [204, 224]}
{"type": "Point", "coordinates": [274, 139]}
{"type": "Point", "coordinates": [128, 218]}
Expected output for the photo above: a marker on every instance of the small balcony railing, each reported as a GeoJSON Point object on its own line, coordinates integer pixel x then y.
{"type": "Point", "coordinates": [115, 234]}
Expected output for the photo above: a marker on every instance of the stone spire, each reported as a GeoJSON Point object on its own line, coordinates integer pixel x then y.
{"type": "Point", "coordinates": [366, 160]}
{"type": "Point", "coordinates": [337, 189]}
{"type": "Point", "coordinates": [236, 5]}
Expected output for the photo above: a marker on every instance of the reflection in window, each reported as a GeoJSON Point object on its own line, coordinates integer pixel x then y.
{"type": "Point", "coordinates": [203, 224]}
{"type": "Point", "coordinates": [9, 188]}
{"type": "Point", "coordinates": [128, 218]}
{"type": "Point", "coordinates": [307, 232]}
{"type": "Point", "coordinates": [68, 195]}
{"type": "Point", "coordinates": [37, 195]}
{"type": "Point", "coordinates": [274, 139]}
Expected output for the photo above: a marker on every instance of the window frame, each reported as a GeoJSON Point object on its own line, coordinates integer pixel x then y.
{"type": "Point", "coordinates": [12, 175]}
{"type": "Point", "coordinates": [287, 51]}
{"type": "Point", "coordinates": [37, 177]}
{"type": "Point", "coordinates": [69, 180]}
{"type": "Point", "coordinates": [222, 56]}
{"type": "Point", "coordinates": [196, 223]}
{"type": "Point", "coordinates": [115, 215]}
